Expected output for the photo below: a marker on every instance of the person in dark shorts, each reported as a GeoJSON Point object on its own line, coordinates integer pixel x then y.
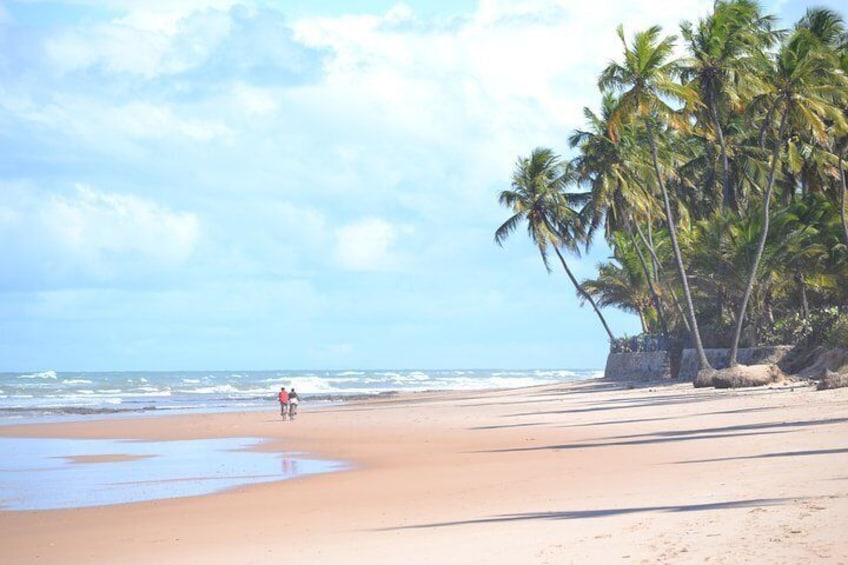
{"type": "Point", "coordinates": [283, 397]}
{"type": "Point", "coordinates": [294, 400]}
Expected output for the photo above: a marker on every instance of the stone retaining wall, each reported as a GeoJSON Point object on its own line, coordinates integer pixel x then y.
{"type": "Point", "coordinates": [655, 365]}
{"type": "Point", "coordinates": [638, 366]}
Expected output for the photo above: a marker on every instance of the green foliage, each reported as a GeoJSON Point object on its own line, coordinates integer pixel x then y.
{"type": "Point", "coordinates": [642, 343]}
{"type": "Point", "coordinates": [716, 180]}
{"type": "Point", "coordinates": [837, 334]}
{"type": "Point", "coordinates": [815, 329]}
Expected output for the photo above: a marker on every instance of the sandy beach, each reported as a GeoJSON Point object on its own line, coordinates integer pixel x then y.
{"type": "Point", "coordinates": [592, 472]}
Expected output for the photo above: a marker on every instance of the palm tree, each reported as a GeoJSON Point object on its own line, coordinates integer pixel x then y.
{"type": "Point", "coordinates": [804, 87]}
{"type": "Point", "coordinates": [720, 48]}
{"type": "Point", "coordinates": [646, 80]}
{"type": "Point", "coordinates": [616, 199]}
{"type": "Point", "coordinates": [538, 197]}
{"type": "Point", "coordinates": [830, 30]}
{"type": "Point", "coordinates": [622, 283]}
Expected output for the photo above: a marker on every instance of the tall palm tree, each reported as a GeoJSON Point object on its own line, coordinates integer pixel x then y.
{"type": "Point", "coordinates": [804, 95]}
{"type": "Point", "coordinates": [720, 48]}
{"type": "Point", "coordinates": [539, 198]}
{"type": "Point", "coordinates": [830, 30]}
{"type": "Point", "coordinates": [646, 80]}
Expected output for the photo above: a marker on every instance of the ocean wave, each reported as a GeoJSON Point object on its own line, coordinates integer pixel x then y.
{"type": "Point", "coordinates": [226, 390]}
{"type": "Point", "coordinates": [43, 375]}
{"type": "Point", "coordinates": [217, 389]}
{"type": "Point", "coordinates": [70, 410]}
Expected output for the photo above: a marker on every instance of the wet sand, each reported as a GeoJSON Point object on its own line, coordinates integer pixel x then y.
{"type": "Point", "coordinates": [586, 472]}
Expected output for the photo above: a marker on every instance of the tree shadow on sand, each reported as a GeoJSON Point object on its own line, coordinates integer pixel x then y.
{"type": "Point", "coordinates": [603, 512]}
{"type": "Point", "coordinates": [805, 453]}
{"type": "Point", "coordinates": [682, 435]}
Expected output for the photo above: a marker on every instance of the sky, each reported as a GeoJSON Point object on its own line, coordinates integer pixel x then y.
{"type": "Point", "coordinates": [279, 184]}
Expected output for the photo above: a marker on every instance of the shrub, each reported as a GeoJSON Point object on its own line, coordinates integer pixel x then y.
{"type": "Point", "coordinates": [798, 330]}
{"type": "Point", "coordinates": [837, 334]}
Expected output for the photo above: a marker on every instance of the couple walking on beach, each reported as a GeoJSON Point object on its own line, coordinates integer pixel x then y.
{"type": "Point", "coordinates": [288, 403]}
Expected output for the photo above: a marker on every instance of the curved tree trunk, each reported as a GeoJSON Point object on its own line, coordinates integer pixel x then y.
{"type": "Point", "coordinates": [583, 293]}
{"type": "Point", "coordinates": [703, 362]}
{"type": "Point", "coordinates": [761, 244]}
{"type": "Point", "coordinates": [654, 296]}
{"type": "Point", "coordinates": [649, 244]}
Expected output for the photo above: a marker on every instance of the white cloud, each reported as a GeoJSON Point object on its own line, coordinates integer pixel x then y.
{"type": "Point", "coordinates": [95, 225]}
{"type": "Point", "coordinates": [367, 245]}
{"type": "Point", "coordinates": [91, 235]}
{"type": "Point", "coordinates": [513, 75]}
{"type": "Point", "coordinates": [255, 101]}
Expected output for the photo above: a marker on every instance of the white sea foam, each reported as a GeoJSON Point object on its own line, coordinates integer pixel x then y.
{"type": "Point", "coordinates": [43, 375]}
{"type": "Point", "coordinates": [227, 390]}
{"type": "Point", "coordinates": [217, 389]}
{"type": "Point", "coordinates": [313, 385]}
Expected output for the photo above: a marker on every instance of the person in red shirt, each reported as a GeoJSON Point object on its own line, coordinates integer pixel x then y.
{"type": "Point", "coordinates": [284, 402]}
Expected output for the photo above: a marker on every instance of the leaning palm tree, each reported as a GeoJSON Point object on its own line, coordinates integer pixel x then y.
{"type": "Point", "coordinates": [616, 197]}
{"type": "Point", "coordinates": [622, 282]}
{"type": "Point", "coordinates": [538, 197]}
{"type": "Point", "coordinates": [646, 80]}
{"type": "Point", "coordinates": [806, 96]}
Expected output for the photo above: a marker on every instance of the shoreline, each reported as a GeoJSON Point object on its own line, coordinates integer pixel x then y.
{"type": "Point", "coordinates": [573, 472]}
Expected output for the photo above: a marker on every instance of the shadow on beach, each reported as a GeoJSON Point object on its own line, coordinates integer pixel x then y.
{"type": "Point", "coordinates": [603, 513]}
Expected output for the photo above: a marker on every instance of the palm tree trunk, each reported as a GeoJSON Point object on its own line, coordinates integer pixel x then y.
{"type": "Point", "coordinates": [583, 293]}
{"type": "Point", "coordinates": [761, 244]}
{"type": "Point", "coordinates": [703, 362]}
{"type": "Point", "coordinates": [649, 244]}
{"type": "Point", "coordinates": [728, 194]}
{"type": "Point", "coordinates": [842, 212]}
{"type": "Point", "coordinates": [805, 304]}
{"type": "Point", "coordinates": [654, 296]}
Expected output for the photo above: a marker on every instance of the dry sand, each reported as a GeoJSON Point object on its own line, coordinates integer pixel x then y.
{"type": "Point", "coordinates": [583, 473]}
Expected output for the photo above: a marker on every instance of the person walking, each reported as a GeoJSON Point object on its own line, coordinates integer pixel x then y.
{"type": "Point", "coordinates": [283, 397]}
{"type": "Point", "coordinates": [294, 400]}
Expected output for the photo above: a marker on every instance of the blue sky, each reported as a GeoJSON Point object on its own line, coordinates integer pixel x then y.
{"type": "Point", "coordinates": [224, 184]}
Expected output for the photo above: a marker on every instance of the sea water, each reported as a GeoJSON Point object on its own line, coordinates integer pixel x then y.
{"type": "Point", "coordinates": [50, 395]}
{"type": "Point", "coordinates": [50, 473]}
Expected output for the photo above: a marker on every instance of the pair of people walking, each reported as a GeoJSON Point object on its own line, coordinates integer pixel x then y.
{"type": "Point", "coordinates": [288, 403]}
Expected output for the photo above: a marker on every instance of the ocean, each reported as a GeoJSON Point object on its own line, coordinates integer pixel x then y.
{"type": "Point", "coordinates": [52, 395]}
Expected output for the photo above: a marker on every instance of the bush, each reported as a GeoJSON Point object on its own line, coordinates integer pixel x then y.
{"type": "Point", "coordinates": [837, 334]}
{"type": "Point", "coordinates": [798, 330]}
{"type": "Point", "coordinates": [639, 344]}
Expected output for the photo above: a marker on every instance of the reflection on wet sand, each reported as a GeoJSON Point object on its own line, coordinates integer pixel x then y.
{"type": "Point", "coordinates": [43, 474]}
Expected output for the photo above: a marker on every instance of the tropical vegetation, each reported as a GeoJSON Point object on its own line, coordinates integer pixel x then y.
{"type": "Point", "coordinates": [715, 171]}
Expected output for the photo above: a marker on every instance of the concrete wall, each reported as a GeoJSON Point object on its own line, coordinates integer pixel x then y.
{"type": "Point", "coordinates": [657, 364]}
{"type": "Point", "coordinates": [718, 358]}
{"type": "Point", "coordinates": [638, 366]}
